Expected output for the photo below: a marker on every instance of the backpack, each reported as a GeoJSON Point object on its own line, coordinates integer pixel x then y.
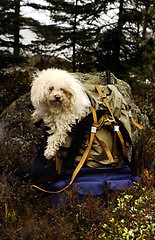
{"type": "Point", "coordinates": [112, 115]}
{"type": "Point", "coordinates": [102, 140]}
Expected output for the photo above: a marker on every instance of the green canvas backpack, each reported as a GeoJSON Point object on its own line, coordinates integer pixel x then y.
{"type": "Point", "coordinates": [113, 127]}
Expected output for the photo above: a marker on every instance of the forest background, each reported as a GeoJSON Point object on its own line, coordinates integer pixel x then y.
{"type": "Point", "coordinates": [115, 35]}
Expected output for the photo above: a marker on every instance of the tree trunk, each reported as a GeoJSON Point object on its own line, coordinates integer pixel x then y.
{"type": "Point", "coordinates": [145, 25]}
{"type": "Point", "coordinates": [119, 38]}
{"type": "Point", "coordinates": [74, 38]}
{"type": "Point", "coordinates": [16, 51]}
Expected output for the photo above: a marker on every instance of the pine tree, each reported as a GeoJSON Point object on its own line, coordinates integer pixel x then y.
{"type": "Point", "coordinates": [11, 22]}
{"type": "Point", "coordinates": [119, 46]}
{"type": "Point", "coordinates": [73, 27]}
{"type": "Point", "coordinates": [142, 61]}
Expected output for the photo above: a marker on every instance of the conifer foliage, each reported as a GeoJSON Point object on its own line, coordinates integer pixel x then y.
{"type": "Point", "coordinates": [11, 23]}
{"type": "Point", "coordinates": [95, 35]}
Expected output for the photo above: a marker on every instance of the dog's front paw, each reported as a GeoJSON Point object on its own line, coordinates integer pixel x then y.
{"type": "Point", "coordinates": [49, 153]}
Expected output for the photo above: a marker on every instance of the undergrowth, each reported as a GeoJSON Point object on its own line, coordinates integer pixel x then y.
{"type": "Point", "coordinates": [30, 215]}
{"type": "Point", "coordinates": [26, 214]}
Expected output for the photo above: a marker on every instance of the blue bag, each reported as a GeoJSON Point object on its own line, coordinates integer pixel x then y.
{"type": "Point", "coordinates": [94, 179]}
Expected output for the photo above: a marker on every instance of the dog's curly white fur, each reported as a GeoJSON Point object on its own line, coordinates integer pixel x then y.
{"type": "Point", "coordinates": [60, 100]}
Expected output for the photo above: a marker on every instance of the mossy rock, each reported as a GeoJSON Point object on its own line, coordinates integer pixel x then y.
{"type": "Point", "coordinates": [19, 138]}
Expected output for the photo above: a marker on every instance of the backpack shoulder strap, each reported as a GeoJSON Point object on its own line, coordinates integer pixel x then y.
{"type": "Point", "coordinates": [104, 98]}
{"type": "Point", "coordinates": [116, 129]}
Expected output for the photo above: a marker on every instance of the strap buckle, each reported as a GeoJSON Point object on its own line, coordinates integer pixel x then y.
{"type": "Point", "coordinates": [129, 114]}
{"type": "Point", "coordinates": [93, 129]}
{"type": "Point", "coordinates": [116, 128]}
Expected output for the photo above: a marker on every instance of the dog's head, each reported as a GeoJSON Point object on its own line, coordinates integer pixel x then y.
{"type": "Point", "coordinates": [54, 89]}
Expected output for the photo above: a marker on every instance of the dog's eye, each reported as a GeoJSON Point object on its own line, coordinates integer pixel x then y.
{"type": "Point", "coordinates": [51, 89]}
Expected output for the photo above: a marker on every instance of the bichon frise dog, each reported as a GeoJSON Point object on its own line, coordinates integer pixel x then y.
{"type": "Point", "coordinates": [60, 100]}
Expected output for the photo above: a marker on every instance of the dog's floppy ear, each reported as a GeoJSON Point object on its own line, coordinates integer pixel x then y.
{"type": "Point", "coordinates": [39, 91]}
{"type": "Point", "coordinates": [37, 96]}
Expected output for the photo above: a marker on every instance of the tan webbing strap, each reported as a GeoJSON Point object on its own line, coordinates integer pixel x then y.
{"type": "Point", "coordinates": [94, 116]}
{"type": "Point", "coordinates": [132, 119]}
{"type": "Point", "coordinates": [136, 123]}
{"type": "Point", "coordinates": [93, 131]}
{"type": "Point", "coordinates": [84, 158]}
{"type": "Point", "coordinates": [105, 148]}
{"type": "Point", "coordinates": [119, 134]}
{"type": "Point", "coordinates": [114, 144]}
{"type": "Point", "coordinates": [104, 98]}
{"type": "Point", "coordinates": [57, 163]}
{"type": "Point", "coordinates": [99, 138]}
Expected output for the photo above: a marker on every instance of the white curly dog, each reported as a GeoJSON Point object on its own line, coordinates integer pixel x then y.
{"type": "Point", "coordinates": [60, 100]}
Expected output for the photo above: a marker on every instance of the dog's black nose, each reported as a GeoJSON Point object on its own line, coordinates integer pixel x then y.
{"type": "Point", "coordinates": [57, 97]}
